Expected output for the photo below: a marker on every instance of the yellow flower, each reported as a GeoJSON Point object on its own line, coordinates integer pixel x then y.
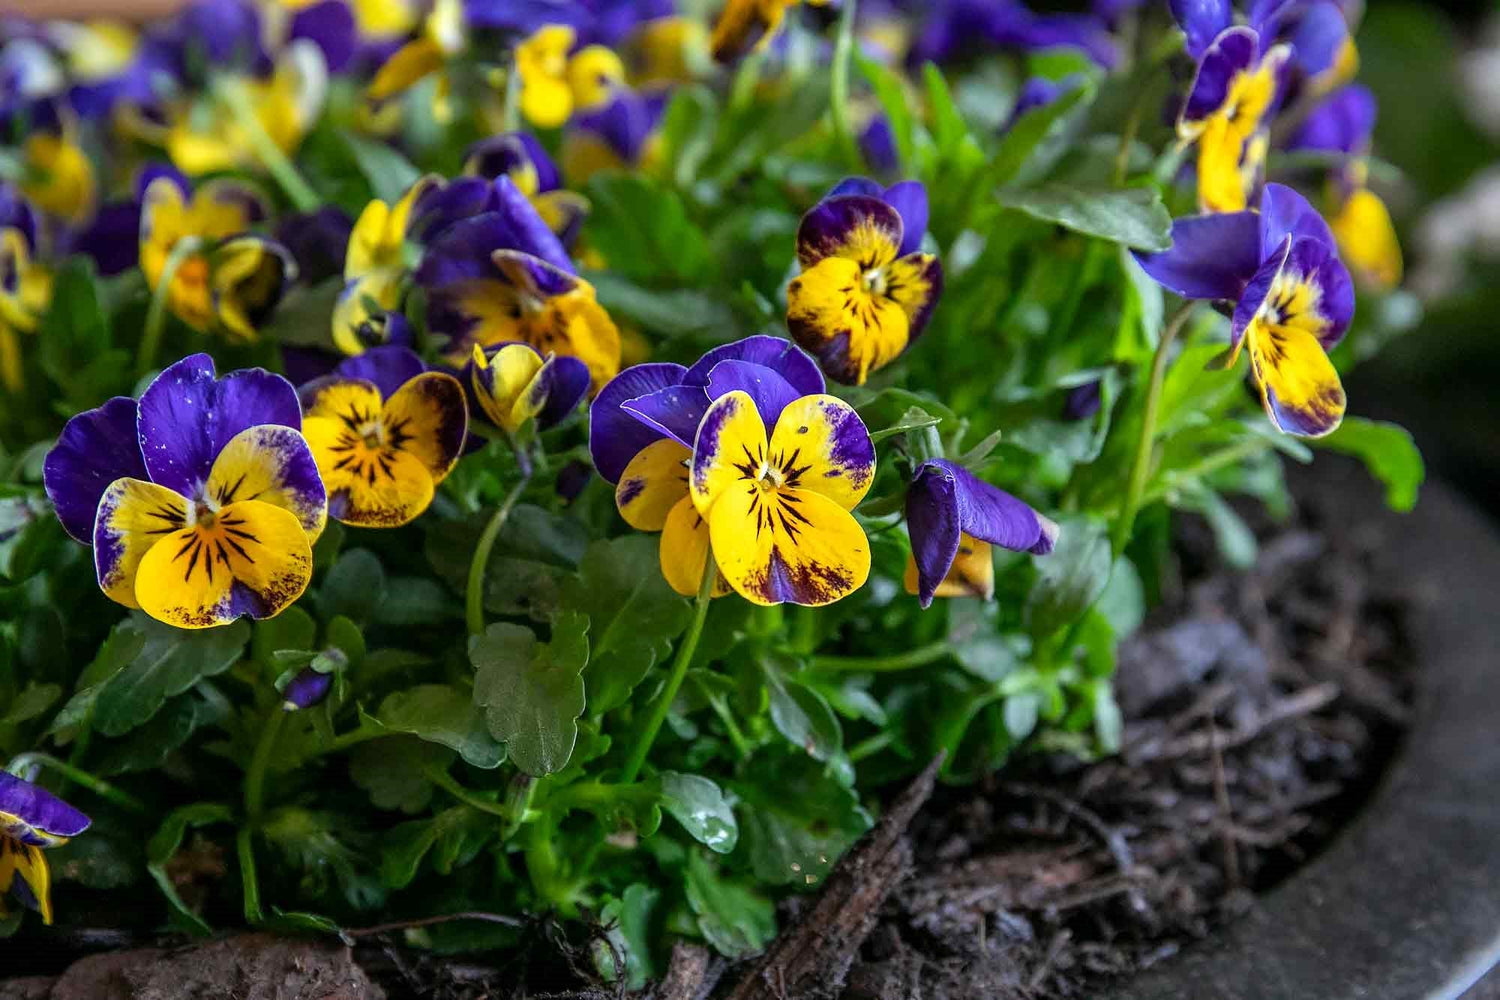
{"type": "Point", "coordinates": [59, 178]}
{"type": "Point", "coordinates": [374, 268]}
{"type": "Point", "coordinates": [553, 84]}
{"type": "Point", "coordinates": [25, 292]}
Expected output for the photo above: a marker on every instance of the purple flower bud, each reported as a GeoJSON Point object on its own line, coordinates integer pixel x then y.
{"type": "Point", "coordinates": [307, 689]}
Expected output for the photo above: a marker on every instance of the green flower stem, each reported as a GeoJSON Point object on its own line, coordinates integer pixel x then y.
{"type": "Point", "coordinates": [510, 115]}
{"type": "Point", "coordinates": [22, 764]}
{"type": "Point", "coordinates": [838, 86]}
{"type": "Point", "coordinates": [249, 879]}
{"type": "Point", "coordinates": [474, 592]}
{"type": "Point", "coordinates": [685, 650]}
{"type": "Point", "coordinates": [742, 745]}
{"type": "Point", "coordinates": [586, 794]}
{"type": "Point", "coordinates": [542, 865]}
{"type": "Point", "coordinates": [445, 781]}
{"type": "Point", "coordinates": [302, 196]}
{"type": "Point", "coordinates": [156, 315]}
{"type": "Point", "coordinates": [255, 777]}
{"type": "Point", "coordinates": [1127, 141]}
{"type": "Point", "coordinates": [1140, 468]}
{"type": "Point", "coordinates": [746, 78]}
{"type": "Point", "coordinates": [919, 657]}
{"type": "Point", "coordinates": [872, 746]}
{"type": "Point", "coordinates": [1209, 465]}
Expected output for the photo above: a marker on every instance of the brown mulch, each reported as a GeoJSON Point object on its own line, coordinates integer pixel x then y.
{"type": "Point", "coordinates": [1260, 708]}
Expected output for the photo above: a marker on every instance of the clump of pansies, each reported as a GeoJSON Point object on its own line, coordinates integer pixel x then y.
{"type": "Point", "coordinates": [482, 431]}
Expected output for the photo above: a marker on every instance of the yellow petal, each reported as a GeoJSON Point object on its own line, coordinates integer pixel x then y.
{"type": "Point", "coordinates": [851, 330]}
{"type": "Point", "coordinates": [133, 516]}
{"type": "Point", "coordinates": [270, 463]}
{"type": "Point", "coordinates": [368, 485]}
{"type": "Point", "coordinates": [27, 862]}
{"type": "Point", "coordinates": [500, 383]}
{"type": "Point", "coordinates": [428, 417]}
{"type": "Point", "coordinates": [1299, 385]}
{"type": "Point", "coordinates": [684, 551]}
{"type": "Point", "coordinates": [731, 446]}
{"type": "Point", "coordinates": [971, 575]}
{"type": "Point", "coordinates": [594, 73]}
{"type": "Point", "coordinates": [820, 444]}
{"type": "Point", "coordinates": [653, 484]}
{"type": "Point", "coordinates": [1367, 240]}
{"type": "Point", "coordinates": [252, 558]}
{"type": "Point", "coordinates": [776, 546]}
{"type": "Point", "coordinates": [408, 64]}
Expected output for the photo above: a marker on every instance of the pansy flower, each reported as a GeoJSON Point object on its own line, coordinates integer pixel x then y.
{"type": "Point", "coordinates": [667, 49]}
{"type": "Point", "coordinates": [503, 276]}
{"type": "Point", "coordinates": [513, 383]}
{"type": "Point", "coordinates": [234, 279]}
{"type": "Point", "coordinates": [202, 501]}
{"type": "Point", "coordinates": [375, 269]}
{"type": "Point", "coordinates": [318, 241]}
{"type": "Point", "coordinates": [442, 38]}
{"type": "Point", "coordinates": [1228, 110]}
{"type": "Point", "coordinates": [1324, 56]}
{"type": "Point", "coordinates": [643, 426]}
{"type": "Point", "coordinates": [25, 284]}
{"type": "Point", "coordinates": [555, 79]}
{"type": "Point", "coordinates": [57, 175]}
{"type": "Point", "coordinates": [1293, 299]}
{"type": "Point", "coordinates": [31, 820]}
{"type": "Point", "coordinates": [953, 518]}
{"type": "Point", "coordinates": [865, 291]}
{"type": "Point", "coordinates": [747, 24]}
{"type": "Point", "coordinates": [620, 134]}
{"type": "Point", "coordinates": [520, 157]}
{"type": "Point", "coordinates": [952, 29]}
{"type": "Point", "coordinates": [1344, 123]}
{"type": "Point", "coordinates": [385, 432]}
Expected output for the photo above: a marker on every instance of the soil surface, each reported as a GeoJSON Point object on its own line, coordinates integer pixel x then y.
{"type": "Point", "coordinates": [1260, 709]}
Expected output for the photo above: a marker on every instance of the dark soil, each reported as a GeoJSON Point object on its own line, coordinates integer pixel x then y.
{"type": "Point", "coordinates": [1261, 707]}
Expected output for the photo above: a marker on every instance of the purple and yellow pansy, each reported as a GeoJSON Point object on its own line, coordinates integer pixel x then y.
{"type": "Point", "coordinates": [201, 501]}
{"type": "Point", "coordinates": [953, 518]}
{"type": "Point", "coordinates": [557, 79]}
{"type": "Point", "coordinates": [514, 383]}
{"type": "Point", "coordinates": [866, 290]}
{"type": "Point", "coordinates": [25, 283]}
{"type": "Point", "coordinates": [232, 279]}
{"type": "Point", "coordinates": [1228, 109]}
{"type": "Point", "coordinates": [1345, 123]}
{"type": "Point", "coordinates": [503, 276]}
{"type": "Point", "coordinates": [375, 269]}
{"type": "Point", "coordinates": [32, 819]}
{"type": "Point", "coordinates": [1293, 299]}
{"type": "Point", "coordinates": [442, 38]}
{"type": "Point", "coordinates": [384, 432]}
{"type": "Point", "coordinates": [953, 29]}
{"type": "Point", "coordinates": [520, 157]}
{"type": "Point", "coordinates": [747, 24]}
{"type": "Point", "coordinates": [620, 134]}
{"type": "Point", "coordinates": [57, 176]}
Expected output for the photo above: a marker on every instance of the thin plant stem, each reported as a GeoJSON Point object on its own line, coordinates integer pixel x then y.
{"type": "Point", "coordinates": [302, 196]}
{"type": "Point", "coordinates": [511, 109]}
{"type": "Point", "coordinates": [838, 86]}
{"type": "Point", "coordinates": [736, 736]}
{"type": "Point", "coordinates": [685, 650]}
{"type": "Point", "coordinates": [22, 765]}
{"type": "Point", "coordinates": [474, 592]}
{"type": "Point", "coordinates": [1209, 465]}
{"type": "Point", "coordinates": [919, 657]}
{"type": "Point", "coordinates": [255, 777]}
{"type": "Point", "coordinates": [746, 78]}
{"type": "Point", "coordinates": [1127, 143]}
{"type": "Point", "coordinates": [1140, 467]}
{"type": "Point", "coordinates": [872, 746]}
{"type": "Point", "coordinates": [156, 315]}
{"type": "Point", "coordinates": [249, 878]}
{"type": "Point", "coordinates": [445, 781]}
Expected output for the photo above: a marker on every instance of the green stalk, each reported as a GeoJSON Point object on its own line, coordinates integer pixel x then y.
{"type": "Point", "coordinates": [685, 651]}
{"type": "Point", "coordinates": [249, 879]}
{"type": "Point", "coordinates": [1211, 464]}
{"type": "Point", "coordinates": [838, 86]}
{"type": "Point", "coordinates": [22, 763]}
{"type": "Point", "coordinates": [302, 196]}
{"type": "Point", "coordinates": [255, 777]}
{"type": "Point", "coordinates": [1140, 468]}
{"type": "Point", "coordinates": [445, 781]}
{"type": "Point", "coordinates": [156, 315]}
{"type": "Point", "coordinates": [474, 592]}
{"type": "Point", "coordinates": [919, 657]}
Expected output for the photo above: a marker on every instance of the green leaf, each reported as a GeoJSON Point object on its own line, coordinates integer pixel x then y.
{"type": "Point", "coordinates": [150, 745]}
{"type": "Point", "coordinates": [452, 836]}
{"type": "Point", "coordinates": [170, 661]}
{"type": "Point", "coordinates": [891, 94]}
{"type": "Point", "coordinates": [441, 713]}
{"type": "Point", "coordinates": [796, 821]}
{"type": "Point", "coordinates": [643, 230]}
{"type": "Point", "coordinates": [302, 317]}
{"type": "Point", "coordinates": [531, 691]}
{"type": "Point", "coordinates": [1070, 577]}
{"type": "Point", "coordinates": [1388, 452]}
{"type": "Point", "coordinates": [678, 312]}
{"type": "Point", "coordinates": [388, 172]}
{"type": "Point", "coordinates": [164, 844]}
{"type": "Point", "coordinates": [73, 339]}
{"type": "Point", "coordinates": [977, 646]}
{"type": "Point", "coordinates": [394, 771]}
{"type": "Point", "coordinates": [687, 131]}
{"type": "Point", "coordinates": [30, 703]}
{"type": "Point", "coordinates": [1233, 536]}
{"type": "Point", "coordinates": [699, 805]}
{"type": "Point", "coordinates": [1109, 724]}
{"type": "Point", "coordinates": [628, 926]}
{"type": "Point", "coordinates": [802, 715]}
{"type": "Point", "coordinates": [735, 919]}
{"type": "Point", "coordinates": [417, 600]}
{"type": "Point", "coordinates": [292, 629]}
{"type": "Point", "coordinates": [533, 558]}
{"type": "Point", "coordinates": [634, 615]}
{"type": "Point", "coordinates": [1133, 217]}
{"type": "Point", "coordinates": [1021, 714]}
{"type": "Point", "coordinates": [1028, 133]}
{"type": "Point", "coordinates": [948, 126]}
{"type": "Point", "coordinates": [355, 587]}
{"type": "Point", "coordinates": [914, 419]}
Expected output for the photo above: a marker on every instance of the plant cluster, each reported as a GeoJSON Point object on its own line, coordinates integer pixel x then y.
{"type": "Point", "coordinates": [604, 446]}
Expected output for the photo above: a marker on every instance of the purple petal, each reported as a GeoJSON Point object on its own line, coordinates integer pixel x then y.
{"type": "Point", "coordinates": [532, 274]}
{"type": "Point", "coordinates": [614, 435]}
{"type": "Point", "coordinates": [16, 213]}
{"type": "Point", "coordinates": [1233, 52]}
{"type": "Point", "coordinates": [771, 392]}
{"type": "Point", "coordinates": [566, 381]}
{"type": "Point", "coordinates": [1257, 291]}
{"type": "Point", "coordinates": [1036, 92]}
{"type": "Point", "coordinates": [522, 17]}
{"type": "Point", "coordinates": [389, 367]}
{"type": "Point", "coordinates": [1201, 21]}
{"type": "Point", "coordinates": [878, 145]}
{"type": "Point", "coordinates": [112, 238]}
{"type": "Point", "coordinates": [186, 416]}
{"type": "Point", "coordinates": [992, 515]}
{"type": "Point", "coordinates": [330, 26]}
{"type": "Point", "coordinates": [1285, 213]}
{"type": "Point", "coordinates": [152, 171]}
{"type": "Point", "coordinates": [501, 154]}
{"type": "Point", "coordinates": [307, 689]}
{"type": "Point", "coordinates": [1318, 38]}
{"type": "Point", "coordinates": [932, 522]}
{"type": "Point", "coordinates": [1343, 123]}
{"type": "Point", "coordinates": [37, 812]}
{"type": "Point", "coordinates": [625, 123]}
{"type": "Point", "coordinates": [776, 353]}
{"type": "Point", "coordinates": [909, 199]}
{"type": "Point", "coordinates": [317, 241]}
{"type": "Point", "coordinates": [855, 185]}
{"type": "Point", "coordinates": [304, 364]}
{"type": "Point", "coordinates": [674, 411]}
{"type": "Point", "coordinates": [463, 250]}
{"type": "Point", "coordinates": [96, 448]}
{"type": "Point", "coordinates": [441, 205]}
{"type": "Point", "coordinates": [829, 225]}
{"type": "Point", "coordinates": [1212, 256]}
{"type": "Point", "coordinates": [1083, 401]}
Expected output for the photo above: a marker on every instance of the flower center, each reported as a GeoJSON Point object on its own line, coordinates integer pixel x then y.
{"type": "Point", "coordinates": [874, 280]}
{"type": "Point", "coordinates": [770, 478]}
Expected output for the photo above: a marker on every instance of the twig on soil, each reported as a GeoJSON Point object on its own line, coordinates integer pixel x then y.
{"type": "Point", "coordinates": [348, 933]}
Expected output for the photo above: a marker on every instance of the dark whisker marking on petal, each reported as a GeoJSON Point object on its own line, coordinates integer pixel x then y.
{"type": "Point", "coordinates": [244, 534]}
{"type": "Point", "coordinates": [192, 540]}
{"type": "Point", "coordinates": [240, 549]}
